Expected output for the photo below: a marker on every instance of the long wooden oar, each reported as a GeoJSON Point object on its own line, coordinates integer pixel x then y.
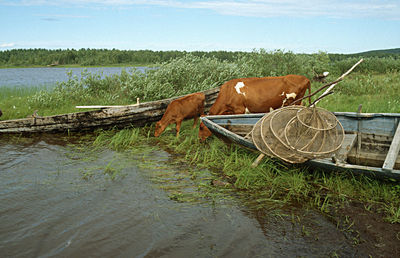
{"type": "Point", "coordinates": [111, 106]}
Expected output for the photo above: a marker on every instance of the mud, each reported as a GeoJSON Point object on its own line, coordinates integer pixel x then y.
{"type": "Point", "coordinates": [368, 231]}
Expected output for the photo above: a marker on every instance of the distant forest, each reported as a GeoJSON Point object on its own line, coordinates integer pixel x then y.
{"type": "Point", "coordinates": [99, 57]}
{"type": "Point", "coordinates": [104, 57]}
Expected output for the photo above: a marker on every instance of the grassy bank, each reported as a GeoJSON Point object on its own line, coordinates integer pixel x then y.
{"type": "Point", "coordinates": [272, 183]}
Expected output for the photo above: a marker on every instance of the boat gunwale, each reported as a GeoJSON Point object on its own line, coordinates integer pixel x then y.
{"type": "Point", "coordinates": [347, 114]}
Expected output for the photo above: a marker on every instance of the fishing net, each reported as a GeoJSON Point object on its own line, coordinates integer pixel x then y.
{"type": "Point", "coordinates": [296, 134]}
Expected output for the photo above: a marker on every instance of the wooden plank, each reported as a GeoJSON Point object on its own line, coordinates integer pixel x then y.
{"type": "Point", "coordinates": [371, 159]}
{"type": "Point", "coordinates": [112, 106]}
{"type": "Point", "coordinates": [326, 164]}
{"type": "Point", "coordinates": [258, 160]}
{"type": "Point", "coordinates": [393, 151]}
{"type": "Point", "coordinates": [348, 143]}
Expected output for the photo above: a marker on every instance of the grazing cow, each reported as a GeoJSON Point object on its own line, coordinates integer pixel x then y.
{"type": "Point", "coordinates": [190, 106]}
{"type": "Point", "coordinates": [256, 95]}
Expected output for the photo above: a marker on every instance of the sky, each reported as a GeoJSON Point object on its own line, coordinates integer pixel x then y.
{"type": "Point", "coordinates": [307, 26]}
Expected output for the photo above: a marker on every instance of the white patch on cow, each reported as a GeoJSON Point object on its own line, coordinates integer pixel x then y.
{"type": "Point", "coordinates": [238, 86]}
{"type": "Point", "coordinates": [246, 111]}
{"type": "Point", "coordinates": [271, 109]}
{"type": "Point", "coordinates": [291, 95]}
{"type": "Point", "coordinates": [283, 93]}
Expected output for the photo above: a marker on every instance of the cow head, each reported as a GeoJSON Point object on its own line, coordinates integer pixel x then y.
{"type": "Point", "coordinates": [159, 129]}
{"type": "Point", "coordinates": [204, 132]}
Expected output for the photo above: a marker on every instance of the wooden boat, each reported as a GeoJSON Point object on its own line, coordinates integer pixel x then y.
{"type": "Point", "coordinates": [371, 143]}
{"type": "Point", "coordinates": [137, 115]}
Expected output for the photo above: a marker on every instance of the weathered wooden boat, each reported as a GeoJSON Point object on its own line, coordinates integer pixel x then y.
{"type": "Point", "coordinates": [137, 115]}
{"type": "Point", "coordinates": [371, 143]}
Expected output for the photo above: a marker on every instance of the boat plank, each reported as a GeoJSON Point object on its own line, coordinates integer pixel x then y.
{"type": "Point", "coordinates": [347, 145]}
{"type": "Point", "coordinates": [372, 159]}
{"type": "Point", "coordinates": [393, 151]}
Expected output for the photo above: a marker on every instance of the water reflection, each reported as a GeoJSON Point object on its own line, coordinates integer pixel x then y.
{"type": "Point", "coordinates": [61, 200]}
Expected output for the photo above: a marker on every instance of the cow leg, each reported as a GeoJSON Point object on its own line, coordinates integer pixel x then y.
{"type": "Point", "coordinates": [178, 127]}
{"type": "Point", "coordinates": [195, 119]}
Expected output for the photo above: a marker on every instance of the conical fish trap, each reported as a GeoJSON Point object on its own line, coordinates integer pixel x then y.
{"type": "Point", "coordinates": [296, 134]}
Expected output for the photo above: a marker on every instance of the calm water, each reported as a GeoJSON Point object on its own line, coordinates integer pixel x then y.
{"type": "Point", "coordinates": [59, 199]}
{"type": "Point", "coordinates": [25, 77]}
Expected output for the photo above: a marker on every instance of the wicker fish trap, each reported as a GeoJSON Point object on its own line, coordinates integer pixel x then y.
{"type": "Point", "coordinates": [296, 134]}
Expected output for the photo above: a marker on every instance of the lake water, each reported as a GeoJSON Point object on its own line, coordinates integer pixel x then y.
{"type": "Point", "coordinates": [49, 76]}
{"type": "Point", "coordinates": [60, 198]}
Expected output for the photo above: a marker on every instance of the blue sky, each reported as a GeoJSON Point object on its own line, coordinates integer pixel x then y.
{"type": "Point", "coordinates": [308, 26]}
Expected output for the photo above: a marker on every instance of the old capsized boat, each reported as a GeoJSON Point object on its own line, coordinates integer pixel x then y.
{"type": "Point", "coordinates": [137, 115]}
{"type": "Point", "coordinates": [371, 143]}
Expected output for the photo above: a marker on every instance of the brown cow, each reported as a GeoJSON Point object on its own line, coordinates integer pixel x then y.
{"type": "Point", "coordinates": [190, 106]}
{"type": "Point", "coordinates": [256, 95]}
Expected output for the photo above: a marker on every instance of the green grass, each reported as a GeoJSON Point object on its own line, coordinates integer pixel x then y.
{"type": "Point", "coordinates": [14, 101]}
{"type": "Point", "coordinates": [377, 93]}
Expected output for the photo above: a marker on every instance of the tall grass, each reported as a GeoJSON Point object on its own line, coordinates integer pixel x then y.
{"type": "Point", "coordinates": [191, 73]}
{"type": "Point", "coordinates": [13, 101]}
{"type": "Point", "coordinates": [377, 93]}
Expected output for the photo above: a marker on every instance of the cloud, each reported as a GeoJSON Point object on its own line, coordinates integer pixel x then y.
{"type": "Point", "coordinates": [58, 17]}
{"type": "Point", "coordinates": [384, 9]}
{"type": "Point", "coordinates": [50, 19]}
{"type": "Point", "coordinates": [6, 45]}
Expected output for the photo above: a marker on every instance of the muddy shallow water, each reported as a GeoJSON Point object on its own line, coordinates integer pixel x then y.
{"type": "Point", "coordinates": [66, 200]}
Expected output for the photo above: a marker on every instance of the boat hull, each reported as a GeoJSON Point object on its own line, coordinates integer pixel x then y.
{"type": "Point", "coordinates": [371, 137]}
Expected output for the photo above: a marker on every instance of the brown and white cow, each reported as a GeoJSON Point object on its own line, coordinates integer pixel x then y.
{"type": "Point", "coordinates": [256, 95]}
{"type": "Point", "coordinates": [189, 106]}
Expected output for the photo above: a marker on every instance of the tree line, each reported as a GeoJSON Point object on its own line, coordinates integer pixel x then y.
{"type": "Point", "coordinates": [379, 60]}
{"type": "Point", "coordinates": [99, 57]}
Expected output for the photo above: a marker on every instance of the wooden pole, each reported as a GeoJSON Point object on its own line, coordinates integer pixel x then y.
{"type": "Point", "coordinates": [339, 79]}
{"type": "Point", "coordinates": [111, 106]}
{"type": "Point", "coordinates": [258, 160]}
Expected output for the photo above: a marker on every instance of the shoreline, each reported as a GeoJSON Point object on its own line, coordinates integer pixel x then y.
{"type": "Point", "coordinates": [79, 66]}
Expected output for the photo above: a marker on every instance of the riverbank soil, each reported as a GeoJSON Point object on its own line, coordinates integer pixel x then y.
{"type": "Point", "coordinates": [368, 230]}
